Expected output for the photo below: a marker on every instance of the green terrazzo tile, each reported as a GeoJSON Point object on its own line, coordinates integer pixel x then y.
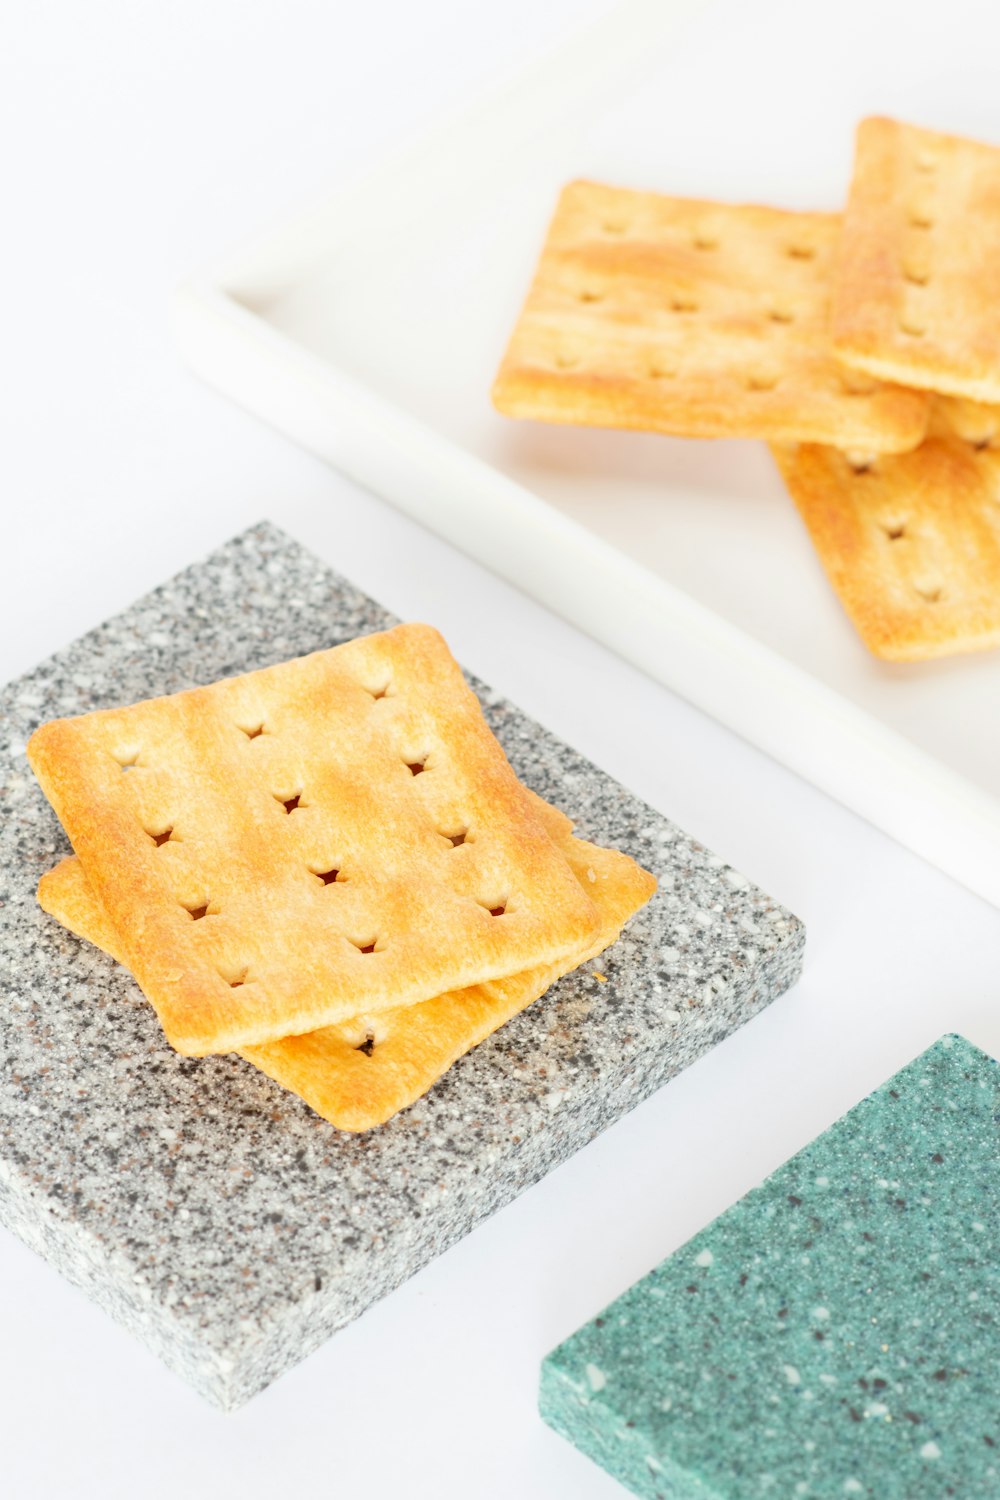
{"type": "Point", "coordinates": [836, 1333]}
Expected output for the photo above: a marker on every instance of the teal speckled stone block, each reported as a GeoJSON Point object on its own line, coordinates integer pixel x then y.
{"type": "Point", "coordinates": [836, 1333]}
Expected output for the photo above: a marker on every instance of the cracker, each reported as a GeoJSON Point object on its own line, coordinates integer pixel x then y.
{"type": "Point", "coordinates": [286, 849]}
{"type": "Point", "coordinates": [911, 542]}
{"type": "Point", "coordinates": [917, 294]}
{"type": "Point", "coordinates": [361, 1072]}
{"type": "Point", "coordinates": [695, 318]}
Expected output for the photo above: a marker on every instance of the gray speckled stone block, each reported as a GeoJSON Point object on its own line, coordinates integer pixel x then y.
{"type": "Point", "coordinates": [209, 1211]}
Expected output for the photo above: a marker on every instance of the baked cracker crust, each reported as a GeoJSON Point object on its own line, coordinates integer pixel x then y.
{"type": "Point", "coordinates": [334, 835]}
{"type": "Point", "coordinates": [911, 542]}
{"type": "Point", "coordinates": [917, 291]}
{"type": "Point", "coordinates": [695, 318]}
{"type": "Point", "coordinates": [359, 1073]}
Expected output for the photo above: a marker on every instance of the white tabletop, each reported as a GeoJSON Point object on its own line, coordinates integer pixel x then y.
{"type": "Point", "coordinates": [149, 139]}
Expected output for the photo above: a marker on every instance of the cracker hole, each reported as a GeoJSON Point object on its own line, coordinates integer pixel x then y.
{"type": "Point", "coordinates": [196, 912]}
{"type": "Point", "coordinates": [920, 219]}
{"type": "Point", "coordinates": [895, 533]}
{"type": "Point", "coordinates": [762, 382]}
{"type": "Point", "coordinates": [456, 840]}
{"type": "Point", "coordinates": [381, 692]}
{"type": "Point", "coordinates": [291, 803]}
{"type": "Point", "coordinates": [912, 328]}
{"type": "Point", "coordinates": [159, 839]}
{"type": "Point", "coordinates": [253, 731]}
{"type": "Point", "coordinates": [704, 241]}
{"type": "Point", "coordinates": [614, 226]}
{"type": "Point", "coordinates": [781, 315]}
{"type": "Point", "coordinates": [858, 386]}
{"type": "Point", "coordinates": [915, 275]}
{"type": "Point", "coordinates": [415, 767]}
{"type": "Point", "coordinates": [590, 296]}
{"type": "Point", "coordinates": [235, 978]}
{"type": "Point", "coordinates": [497, 910]}
{"type": "Point", "coordinates": [367, 1046]}
{"type": "Point", "coordinates": [860, 463]}
{"type": "Point", "coordinates": [683, 302]}
{"type": "Point", "coordinates": [328, 877]}
{"type": "Point", "coordinates": [566, 361]}
{"type": "Point", "coordinates": [366, 947]}
{"type": "Point", "coordinates": [980, 444]}
{"type": "Point", "coordinates": [802, 252]}
{"type": "Point", "coordinates": [660, 372]}
{"type": "Point", "coordinates": [127, 762]}
{"type": "Point", "coordinates": [930, 593]}
{"type": "Point", "coordinates": [925, 161]}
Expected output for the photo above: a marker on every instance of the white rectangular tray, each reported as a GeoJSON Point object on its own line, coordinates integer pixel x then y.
{"type": "Point", "coordinates": [370, 330]}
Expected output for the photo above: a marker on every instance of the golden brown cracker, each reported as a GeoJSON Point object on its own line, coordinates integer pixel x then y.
{"type": "Point", "coordinates": [911, 542]}
{"type": "Point", "coordinates": [695, 318]}
{"type": "Point", "coordinates": [360, 1072]}
{"type": "Point", "coordinates": [334, 835]}
{"type": "Point", "coordinates": [917, 292]}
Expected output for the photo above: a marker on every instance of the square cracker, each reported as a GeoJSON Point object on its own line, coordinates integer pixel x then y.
{"type": "Point", "coordinates": [359, 1073]}
{"type": "Point", "coordinates": [917, 293]}
{"type": "Point", "coordinates": [911, 542]}
{"type": "Point", "coordinates": [334, 835]}
{"type": "Point", "coordinates": [694, 318]}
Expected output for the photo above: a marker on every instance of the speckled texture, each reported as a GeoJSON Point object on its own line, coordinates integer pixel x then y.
{"type": "Point", "coordinates": [211, 1212]}
{"type": "Point", "coordinates": [836, 1333]}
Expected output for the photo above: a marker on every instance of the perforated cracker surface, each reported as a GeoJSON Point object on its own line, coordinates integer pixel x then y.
{"type": "Point", "coordinates": [917, 294]}
{"type": "Point", "coordinates": [358, 1074]}
{"type": "Point", "coordinates": [911, 542]}
{"type": "Point", "coordinates": [695, 318]}
{"type": "Point", "coordinates": [334, 835]}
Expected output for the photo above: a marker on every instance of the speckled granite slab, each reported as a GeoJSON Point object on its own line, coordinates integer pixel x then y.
{"type": "Point", "coordinates": [211, 1212]}
{"type": "Point", "coordinates": [836, 1333]}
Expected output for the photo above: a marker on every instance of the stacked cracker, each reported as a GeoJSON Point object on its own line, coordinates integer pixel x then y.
{"type": "Point", "coordinates": [864, 348]}
{"type": "Point", "coordinates": [327, 866]}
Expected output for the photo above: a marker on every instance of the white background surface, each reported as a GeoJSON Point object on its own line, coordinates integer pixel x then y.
{"type": "Point", "coordinates": [147, 139]}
